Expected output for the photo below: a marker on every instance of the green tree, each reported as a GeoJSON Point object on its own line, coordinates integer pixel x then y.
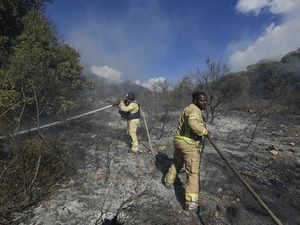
{"type": "Point", "coordinates": [39, 76]}
{"type": "Point", "coordinates": [12, 13]}
{"type": "Point", "coordinates": [42, 75]}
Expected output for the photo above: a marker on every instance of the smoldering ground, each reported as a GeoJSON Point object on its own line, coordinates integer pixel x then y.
{"type": "Point", "coordinates": [111, 186]}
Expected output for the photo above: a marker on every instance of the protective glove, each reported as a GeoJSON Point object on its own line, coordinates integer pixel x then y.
{"type": "Point", "coordinates": [116, 104]}
{"type": "Point", "coordinates": [209, 134]}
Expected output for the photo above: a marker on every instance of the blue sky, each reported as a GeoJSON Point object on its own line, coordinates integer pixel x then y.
{"type": "Point", "coordinates": [148, 39]}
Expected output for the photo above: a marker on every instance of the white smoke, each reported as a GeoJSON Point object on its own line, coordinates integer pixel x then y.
{"type": "Point", "coordinates": [153, 84]}
{"type": "Point", "coordinates": [128, 42]}
{"type": "Point", "coordinates": [107, 73]}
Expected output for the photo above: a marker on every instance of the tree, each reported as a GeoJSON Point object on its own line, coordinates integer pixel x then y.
{"type": "Point", "coordinates": [182, 92]}
{"type": "Point", "coordinates": [207, 81]}
{"type": "Point", "coordinates": [12, 13]}
{"type": "Point", "coordinates": [40, 65]}
{"type": "Point", "coordinates": [234, 89]}
{"type": "Point", "coordinates": [276, 83]}
{"type": "Point", "coordinates": [38, 76]}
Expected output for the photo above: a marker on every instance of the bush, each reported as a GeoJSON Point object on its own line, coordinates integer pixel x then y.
{"type": "Point", "coordinates": [235, 90]}
{"type": "Point", "coordinates": [35, 166]}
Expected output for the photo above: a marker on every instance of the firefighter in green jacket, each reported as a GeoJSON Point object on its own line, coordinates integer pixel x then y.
{"type": "Point", "coordinates": [187, 139]}
{"type": "Point", "coordinates": [130, 110]}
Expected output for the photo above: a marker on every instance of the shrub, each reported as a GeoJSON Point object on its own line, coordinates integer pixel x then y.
{"type": "Point", "coordinates": [35, 166]}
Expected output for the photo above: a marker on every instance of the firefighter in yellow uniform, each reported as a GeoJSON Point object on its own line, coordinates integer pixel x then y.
{"type": "Point", "coordinates": [187, 139]}
{"type": "Point", "coordinates": [130, 110]}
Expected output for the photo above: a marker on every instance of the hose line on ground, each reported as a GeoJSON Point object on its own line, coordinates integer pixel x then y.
{"type": "Point", "coordinates": [201, 149]}
{"type": "Point", "coordinates": [250, 189]}
{"type": "Point", "coordinates": [148, 133]}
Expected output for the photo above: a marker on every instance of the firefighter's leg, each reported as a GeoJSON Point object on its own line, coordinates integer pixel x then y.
{"type": "Point", "coordinates": [127, 137]}
{"type": "Point", "coordinates": [192, 160]}
{"type": "Point", "coordinates": [133, 125]}
{"type": "Point", "coordinates": [176, 166]}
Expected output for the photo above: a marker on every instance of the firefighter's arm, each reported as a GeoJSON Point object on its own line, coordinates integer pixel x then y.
{"type": "Point", "coordinates": [196, 123]}
{"type": "Point", "coordinates": [125, 108]}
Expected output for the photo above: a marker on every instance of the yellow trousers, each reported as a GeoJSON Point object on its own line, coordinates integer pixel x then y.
{"type": "Point", "coordinates": [132, 128]}
{"type": "Point", "coordinates": [187, 155]}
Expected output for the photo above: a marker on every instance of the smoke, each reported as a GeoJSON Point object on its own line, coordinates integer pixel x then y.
{"type": "Point", "coordinates": [127, 43]}
{"type": "Point", "coordinates": [153, 84]}
{"type": "Point", "coordinates": [107, 73]}
{"type": "Point", "coordinates": [276, 41]}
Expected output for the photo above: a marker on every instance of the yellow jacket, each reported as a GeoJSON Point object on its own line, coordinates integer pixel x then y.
{"type": "Point", "coordinates": [191, 126]}
{"type": "Point", "coordinates": [132, 109]}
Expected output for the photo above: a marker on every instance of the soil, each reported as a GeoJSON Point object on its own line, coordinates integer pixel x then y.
{"type": "Point", "coordinates": [113, 186]}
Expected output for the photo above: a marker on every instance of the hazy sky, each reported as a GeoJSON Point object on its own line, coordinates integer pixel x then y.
{"type": "Point", "coordinates": [149, 40]}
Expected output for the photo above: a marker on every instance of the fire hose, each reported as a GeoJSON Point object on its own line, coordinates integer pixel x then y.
{"type": "Point", "coordinates": [250, 189]}
{"type": "Point", "coordinates": [148, 133]}
{"type": "Point", "coordinates": [77, 117]}
{"type": "Point", "coordinates": [56, 123]}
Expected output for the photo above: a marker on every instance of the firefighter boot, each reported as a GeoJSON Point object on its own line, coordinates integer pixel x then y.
{"type": "Point", "coordinates": [134, 147]}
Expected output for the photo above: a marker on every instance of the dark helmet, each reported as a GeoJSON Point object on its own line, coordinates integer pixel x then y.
{"type": "Point", "coordinates": [130, 96]}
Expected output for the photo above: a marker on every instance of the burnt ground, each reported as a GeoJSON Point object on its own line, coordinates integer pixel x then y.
{"type": "Point", "coordinates": [112, 186]}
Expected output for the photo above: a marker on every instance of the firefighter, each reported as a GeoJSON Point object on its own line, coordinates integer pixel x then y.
{"type": "Point", "coordinates": [187, 140]}
{"type": "Point", "coordinates": [130, 110]}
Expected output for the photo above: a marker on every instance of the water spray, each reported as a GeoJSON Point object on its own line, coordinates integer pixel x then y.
{"type": "Point", "coordinates": [55, 123]}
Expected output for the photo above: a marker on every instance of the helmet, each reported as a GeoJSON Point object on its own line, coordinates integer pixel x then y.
{"type": "Point", "coordinates": [130, 96]}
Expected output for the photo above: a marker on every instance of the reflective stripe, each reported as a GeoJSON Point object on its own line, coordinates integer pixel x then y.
{"type": "Point", "coordinates": [195, 116]}
{"type": "Point", "coordinates": [186, 140]}
{"type": "Point", "coordinates": [191, 197]}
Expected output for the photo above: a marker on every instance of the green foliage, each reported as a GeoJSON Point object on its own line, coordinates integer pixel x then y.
{"type": "Point", "coordinates": [12, 13]}
{"type": "Point", "coordinates": [38, 70]}
{"type": "Point", "coordinates": [39, 76]}
{"type": "Point", "coordinates": [37, 164]}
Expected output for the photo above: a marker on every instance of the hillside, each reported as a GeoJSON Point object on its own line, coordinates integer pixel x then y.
{"type": "Point", "coordinates": [81, 172]}
{"type": "Point", "coordinates": [111, 186]}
